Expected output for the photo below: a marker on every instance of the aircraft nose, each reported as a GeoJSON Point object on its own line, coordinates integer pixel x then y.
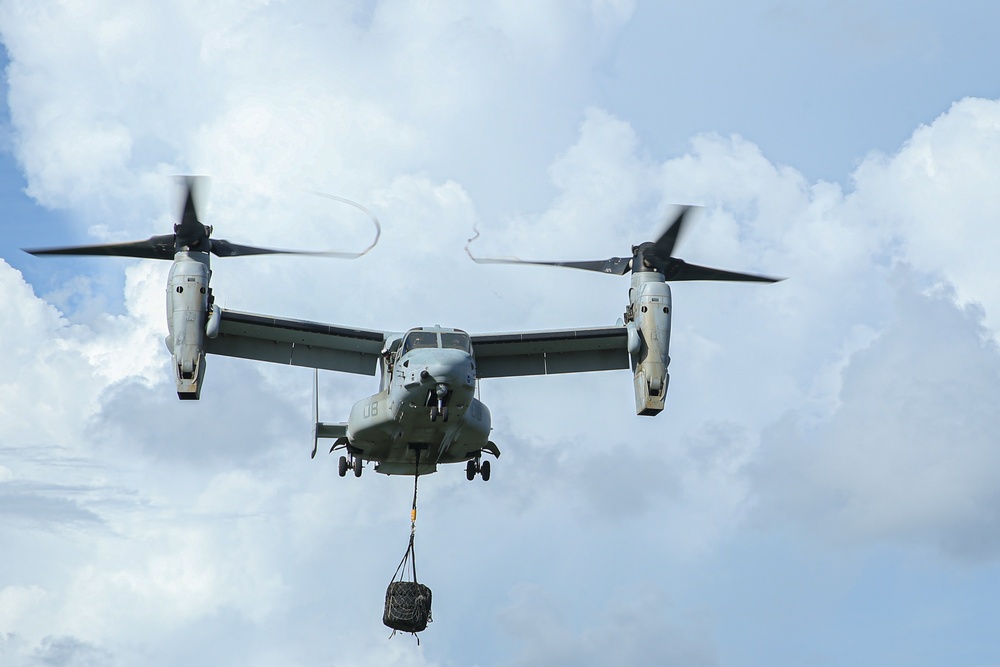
{"type": "Point", "coordinates": [452, 370]}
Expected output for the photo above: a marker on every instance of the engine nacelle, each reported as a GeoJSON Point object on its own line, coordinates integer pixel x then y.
{"type": "Point", "coordinates": [187, 318]}
{"type": "Point", "coordinates": [649, 340]}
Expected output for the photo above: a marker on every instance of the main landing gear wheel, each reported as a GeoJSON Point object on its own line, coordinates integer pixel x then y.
{"type": "Point", "coordinates": [344, 465]}
{"type": "Point", "coordinates": [474, 467]}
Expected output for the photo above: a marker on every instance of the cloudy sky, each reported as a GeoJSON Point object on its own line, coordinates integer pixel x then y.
{"type": "Point", "coordinates": [823, 487]}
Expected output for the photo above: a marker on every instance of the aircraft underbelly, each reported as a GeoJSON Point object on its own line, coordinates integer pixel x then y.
{"type": "Point", "coordinates": [384, 428]}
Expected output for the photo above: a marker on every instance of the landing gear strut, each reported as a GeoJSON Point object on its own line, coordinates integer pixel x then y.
{"type": "Point", "coordinates": [436, 399]}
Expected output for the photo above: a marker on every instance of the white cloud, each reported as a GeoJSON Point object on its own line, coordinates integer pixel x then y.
{"type": "Point", "coordinates": [150, 527]}
{"type": "Point", "coordinates": [48, 361]}
{"type": "Point", "coordinates": [936, 196]}
{"type": "Point", "coordinates": [909, 453]}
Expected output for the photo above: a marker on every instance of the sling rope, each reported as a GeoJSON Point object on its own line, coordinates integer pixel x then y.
{"type": "Point", "coordinates": [411, 553]}
{"type": "Point", "coordinates": [410, 557]}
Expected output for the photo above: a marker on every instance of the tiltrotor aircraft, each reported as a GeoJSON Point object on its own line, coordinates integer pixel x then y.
{"type": "Point", "coordinates": [425, 412]}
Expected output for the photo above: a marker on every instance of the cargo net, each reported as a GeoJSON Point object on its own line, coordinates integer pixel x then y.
{"type": "Point", "coordinates": [408, 602]}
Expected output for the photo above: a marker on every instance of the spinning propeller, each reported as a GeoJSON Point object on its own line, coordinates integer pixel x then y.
{"type": "Point", "coordinates": [193, 236]}
{"type": "Point", "coordinates": [192, 316]}
{"type": "Point", "coordinates": [651, 256]}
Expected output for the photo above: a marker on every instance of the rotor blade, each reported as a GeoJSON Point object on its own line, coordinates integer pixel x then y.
{"type": "Point", "coordinates": [191, 235]}
{"type": "Point", "coordinates": [374, 219]}
{"type": "Point", "coordinates": [223, 248]}
{"type": "Point", "coordinates": [155, 247]}
{"type": "Point", "coordinates": [616, 265]}
{"type": "Point", "coordinates": [679, 270]}
{"type": "Point", "coordinates": [664, 246]}
{"type": "Point", "coordinates": [190, 232]}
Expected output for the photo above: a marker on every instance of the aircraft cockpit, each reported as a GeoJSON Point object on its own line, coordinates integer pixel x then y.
{"type": "Point", "coordinates": [432, 338]}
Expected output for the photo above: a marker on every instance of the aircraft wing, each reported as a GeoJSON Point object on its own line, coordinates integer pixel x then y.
{"type": "Point", "coordinates": [297, 342]}
{"type": "Point", "coordinates": [549, 352]}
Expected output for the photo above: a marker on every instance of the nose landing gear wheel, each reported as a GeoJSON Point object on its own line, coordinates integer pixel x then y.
{"type": "Point", "coordinates": [484, 471]}
{"type": "Point", "coordinates": [357, 466]}
{"type": "Point", "coordinates": [342, 466]}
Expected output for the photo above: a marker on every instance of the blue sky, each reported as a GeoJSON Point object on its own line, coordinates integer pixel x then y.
{"type": "Point", "coordinates": [821, 488]}
{"type": "Point", "coordinates": [816, 85]}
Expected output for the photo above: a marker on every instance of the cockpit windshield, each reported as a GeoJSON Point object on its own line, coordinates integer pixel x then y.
{"type": "Point", "coordinates": [456, 341]}
{"type": "Point", "coordinates": [416, 339]}
{"type": "Point", "coordinates": [449, 340]}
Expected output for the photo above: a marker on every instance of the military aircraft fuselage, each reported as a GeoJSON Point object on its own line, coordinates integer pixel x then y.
{"type": "Point", "coordinates": [426, 403]}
